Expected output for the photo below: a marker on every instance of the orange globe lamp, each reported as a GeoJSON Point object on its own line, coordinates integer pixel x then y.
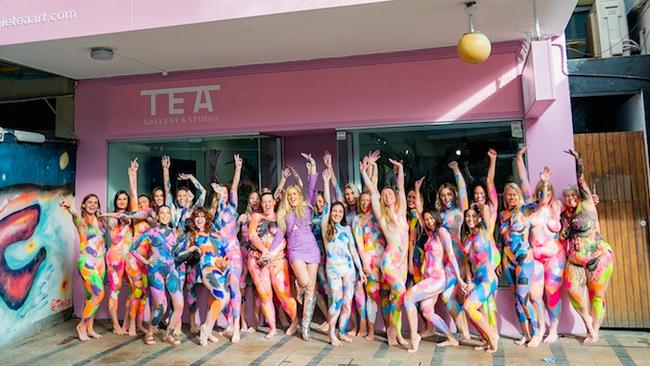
{"type": "Point", "coordinates": [474, 47]}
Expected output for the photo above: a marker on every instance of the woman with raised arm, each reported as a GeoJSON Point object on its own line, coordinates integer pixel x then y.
{"type": "Point", "coordinates": [590, 260]}
{"type": "Point", "coordinates": [137, 270]}
{"type": "Point", "coordinates": [268, 265]}
{"type": "Point", "coordinates": [182, 209]}
{"type": "Point", "coordinates": [486, 194]}
{"type": "Point", "coordinates": [254, 201]}
{"type": "Point", "coordinates": [342, 258]}
{"type": "Point", "coordinates": [549, 254]}
{"type": "Point", "coordinates": [351, 193]}
{"type": "Point", "coordinates": [294, 219]}
{"type": "Point", "coordinates": [121, 239]}
{"type": "Point", "coordinates": [438, 251]}
{"type": "Point", "coordinates": [451, 202]}
{"type": "Point", "coordinates": [161, 271]}
{"type": "Point", "coordinates": [225, 224]}
{"type": "Point", "coordinates": [91, 264]}
{"type": "Point", "coordinates": [370, 245]}
{"type": "Point", "coordinates": [518, 260]}
{"type": "Point", "coordinates": [214, 266]}
{"type": "Point", "coordinates": [390, 210]}
{"type": "Point", "coordinates": [481, 279]}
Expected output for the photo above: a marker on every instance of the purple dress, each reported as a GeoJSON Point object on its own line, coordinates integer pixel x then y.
{"type": "Point", "coordinates": [301, 242]}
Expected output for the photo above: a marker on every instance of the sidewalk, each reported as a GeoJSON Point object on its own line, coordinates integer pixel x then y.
{"type": "Point", "coordinates": [58, 346]}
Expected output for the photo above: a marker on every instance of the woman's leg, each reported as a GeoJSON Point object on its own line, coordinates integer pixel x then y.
{"type": "Point", "coordinates": [394, 278]}
{"type": "Point", "coordinates": [598, 275]}
{"type": "Point", "coordinates": [191, 279]}
{"type": "Point", "coordinates": [426, 291]}
{"type": "Point", "coordinates": [575, 280]}
{"type": "Point", "coordinates": [279, 269]}
{"type": "Point", "coordinates": [537, 301]}
{"type": "Point", "coordinates": [348, 282]}
{"type": "Point", "coordinates": [521, 274]}
{"type": "Point", "coordinates": [175, 290]}
{"type": "Point", "coordinates": [472, 305]}
{"type": "Point", "coordinates": [91, 270]}
{"type": "Point", "coordinates": [553, 279]}
{"type": "Point", "coordinates": [234, 306]}
{"type": "Point", "coordinates": [336, 286]}
{"type": "Point", "coordinates": [115, 262]}
{"type": "Point", "coordinates": [216, 282]}
{"type": "Point", "coordinates": [136, 282]}
{"type": "Point", "coordinates": [262, 279]}
{"type": "Point", "coordinates": [360, 303]}
{"type": "Point", "coordinates": [454, 307]}
{"type": "Point", "coordinates": [373, 300]}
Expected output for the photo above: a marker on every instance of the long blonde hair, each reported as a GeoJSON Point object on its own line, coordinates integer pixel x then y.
{"type": "Point", "coordinates": [285, 206]}
{"type": "Point", "coordinates": [540, 186]}
{"type": "Point", "coordinates": [520, 200]}
{"type": "Point", "coordinates": [385, 210]}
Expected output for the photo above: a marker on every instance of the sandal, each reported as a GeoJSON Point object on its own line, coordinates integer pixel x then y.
{"type": "Point", "coordinates": [149, 341]}
{"type": "Point", "coordinates": [171, 340]}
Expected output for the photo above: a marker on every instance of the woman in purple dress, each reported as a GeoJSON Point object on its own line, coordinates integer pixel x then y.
{"type": "Point", "coordinates": [294, 219]}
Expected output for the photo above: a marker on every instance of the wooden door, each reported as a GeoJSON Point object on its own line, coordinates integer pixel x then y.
{"type": "Point", "coordinates": [616, 165]}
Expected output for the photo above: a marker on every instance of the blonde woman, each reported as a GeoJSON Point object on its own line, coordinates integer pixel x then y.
{"type": "Point", "coordinates": [294, 220]}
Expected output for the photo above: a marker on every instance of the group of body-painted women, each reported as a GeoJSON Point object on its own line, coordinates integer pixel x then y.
{"type": "Point", "coordinates": [379, 251]}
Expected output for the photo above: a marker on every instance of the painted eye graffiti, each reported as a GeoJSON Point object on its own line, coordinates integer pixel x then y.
{"type": "Point", "coordinates": [15, 284]}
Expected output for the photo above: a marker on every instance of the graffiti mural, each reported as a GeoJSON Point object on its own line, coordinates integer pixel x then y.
{"type": "Point", "coordinates": [36, 235]}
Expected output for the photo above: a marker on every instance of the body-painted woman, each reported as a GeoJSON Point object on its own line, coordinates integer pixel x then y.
{"type": "Point", "coordinates": [162, 276]}
{"type": "Point", "coordinates": [547, 250]}
{"type": "Point", "coordinates": [294, 219]}
{"type": "Point", "coordinates": [451, 201]}
{"type": "Point", "coordinates": [342, 257]}
{"type": "Point", "coordinates": [370, 245]}
{"type": "Point", "coordinates": [268, 265]}
{"type": "Point", "coordinates": [486, 194]}
{"type": "Point", "coordinates": [390, 209]}
{"type": "Point", "coordinates": [182, 209]}
{"type": "Point", "coordinates": [214, 266]}
{"type": "Point", "coordinates": [518, 261]}
{"type": "Point", "coordinates": [481, 279]}
{"type": "Point", "coordinates": [91, 264]}
{"type": "Point", "coordinates": [225, 224]}
{"type": "Point", "coordinates": [254, 201]}
{"type": "Point", "coordinates": [438, 251]}
{"type": "Point", "coordinates": [590, 260]}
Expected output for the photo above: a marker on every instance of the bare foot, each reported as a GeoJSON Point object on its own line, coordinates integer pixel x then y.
{"type": "Point", "coordinates": [91, 332]}
{"type": "Point", "coordinates": [595, 337]}
{"type": "Point", "coordinates": [403, 342]}
{"type": "Point", "coordinates": [415, 342]}
{"type": "Point", "coordinates": [363, 328]}
{"type": "Point", "coordinates": [212, 338]}
{"type": "Point", "coordinates": [271, 333]}
{"type": "Point", "coordinates": [203, 336]}
{"type": "Point", "coordinates": [371, 335]}
{"type": "Point", "coordinates": [534, 342]}
{"type": "Point", "coordinates": [551, 338]}
{"type": "Point", "coordinates": [148, 340]}
{"type": "Point", "coordinates": [143, 330]}
{"type": "Point", "coordinates": [292, 328]}
{"type": "Point", "coordinates": [235, 337]}
{"type": "Point", "coordinates": [334, 341]}
{"type": "Point", "coordinates": [132, 332]}
{"type": "Point", "coordinates": [249, 330]}
{"type": "Point", "coordinates": [345, 338]}
{"type": "Point", "coordinates": [228, 331]}
{"type": "Point", "coordinates": [118, 330]}
{"type": "Point", "coordinates": [324, 327]}
{"type": "Point", "coordinates": [194, 328]}
{"type": "Point", "coordinates": [391, 335]}
{"type": "Point", "coordinates": [453, 342]}
{"type": "Point", "coordinates": [522, 341]}
{"type": "Point", "coordinates": [482, 347]}
{"type": "Point", "coordinates": [81, 331]}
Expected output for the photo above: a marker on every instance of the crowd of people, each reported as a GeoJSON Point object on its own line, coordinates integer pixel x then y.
{"type": "Point", "coordinates": [357, 255]}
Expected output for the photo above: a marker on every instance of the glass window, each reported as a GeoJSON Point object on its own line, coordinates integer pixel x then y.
{"type": "Point", "coordinates": [427, 151]}
{"type": "Point", "coordinates": [209, 159]}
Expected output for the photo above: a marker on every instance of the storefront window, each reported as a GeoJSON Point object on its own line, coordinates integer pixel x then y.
{"type": "Point", "coordinates": [208, 159]}
{"type": "Point", "coordinates": [426, 151]}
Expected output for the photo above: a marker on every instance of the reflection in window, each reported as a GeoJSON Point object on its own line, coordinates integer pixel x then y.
{"type": "Point", "coordinates": [208, 159]}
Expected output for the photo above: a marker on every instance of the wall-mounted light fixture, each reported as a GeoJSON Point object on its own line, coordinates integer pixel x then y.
{"type": "Point", "coordinates": [22, 136]}
{"type": "Point", "coordinates": [473, 47]}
